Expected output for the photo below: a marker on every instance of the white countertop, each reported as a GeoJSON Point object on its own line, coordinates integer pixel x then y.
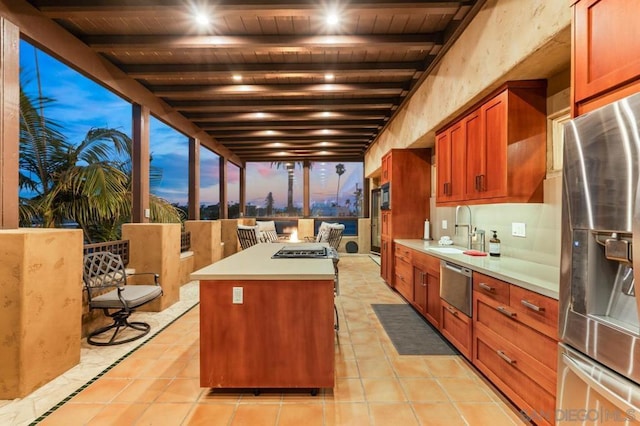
{"type": "Point", "coordinates": [539, 278]}
{"type": "Point", "coordinates": [255, 263]}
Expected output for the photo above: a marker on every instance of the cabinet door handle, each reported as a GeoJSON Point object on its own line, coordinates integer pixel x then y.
{"type": "Point", "coordinates": [452, 310]}
{"type": "Point", "coordinates": [532, 306]}
{"type": "Point", "coordinates": [477, 188]}
{"type": "Point", "coordinates": [486, 287]}
{"type": "Point", "coordinates": [505, 311]}
{"type": "Point", "coordinates": [482, 185]}
{"type": "Point", "coordinates": [504, 356]}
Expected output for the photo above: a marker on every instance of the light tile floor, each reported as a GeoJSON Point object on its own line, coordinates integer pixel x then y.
{"type": "Point", "coordinates": [158, 383]}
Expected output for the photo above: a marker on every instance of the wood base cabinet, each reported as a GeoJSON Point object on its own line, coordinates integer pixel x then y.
{"type": "Point", "coordinates": [426, 286]}
{"type": "Point", "coordinates": [514, 343]}
{"type": "Point", "coordinates": [457, 328]}
{"type": "Point", "coordinates": [386, 260]}
{"type": "Point", "coordinates": [403, 280]}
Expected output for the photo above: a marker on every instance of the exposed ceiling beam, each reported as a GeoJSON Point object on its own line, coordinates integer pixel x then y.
{"type": "Point", "coordinates": [294, 43]}
{"type": "Point", "coordinates": [159, 71]}
{"type": "Point", "coordinates": [265, 118]}
{"type": "Point", "coordinates": [106, 9]}
{"type": "Point", "coordinates": [243, 134]}
{"type": "Point", "coordinates": [291, 125]}
{"type": "Point", "coordinates": [306, 104]}
{"type": "Point", "coordinates": [275, 90]}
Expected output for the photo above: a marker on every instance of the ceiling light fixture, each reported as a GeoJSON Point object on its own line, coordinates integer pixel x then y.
{"type": "Point", "coordinates": [202, 19]}
{"type": "Point", "coordinates": [329, 77]}
{"type": "Point", "coordinates": [237, 77]}
{"type": "Point", "coordinates": [260, 115]}
{"type": "Point", "coordinates": [332, 19]}
{"type": "Point", "coordinates": [326, 114]}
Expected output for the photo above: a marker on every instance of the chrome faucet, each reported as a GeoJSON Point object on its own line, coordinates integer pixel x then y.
{"type": "Point", "coordinates": [468, 225]}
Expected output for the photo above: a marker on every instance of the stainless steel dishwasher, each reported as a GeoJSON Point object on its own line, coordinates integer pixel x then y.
{"type": "Point", "coordinates": [456, 286]}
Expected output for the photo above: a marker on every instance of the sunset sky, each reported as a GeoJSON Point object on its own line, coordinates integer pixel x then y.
{"type": "Point", "coordinates": [80, 104]}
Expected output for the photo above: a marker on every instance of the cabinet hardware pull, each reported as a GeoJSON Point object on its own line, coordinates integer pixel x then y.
{"type": "Point", "coordinates": [482, 184]}
{"type": "Point", "coordinates": [505, 311]}
{"type": "Point", "coordinates": [477, 185]}
{"type": "Point", "coordinates": [453, 311]}
{"type": "Point", "coordinates": [532, 306]}
{"type": "Point", "coordinates": [504, 356]}
{"type": "Point", "coordinates": [486, 287]}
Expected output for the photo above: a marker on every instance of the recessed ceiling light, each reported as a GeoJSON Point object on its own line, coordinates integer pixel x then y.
{"type": "Point", "coordinates": [326, 114]}
{"type": "Point", "coordinates": [332, 18]}
{"type": "Point", "coordinates": [329, 77]}
{"type": "Point", "coordinates": [237, 77]}
{"type": "Point", "coordinates": [270, 132]}
{"type": "Point", "coordinates": [202, 19]}
{"type": "Point", "coordinates": [259, 114]}
{"type": "Point", "coordinates": [326, 131]}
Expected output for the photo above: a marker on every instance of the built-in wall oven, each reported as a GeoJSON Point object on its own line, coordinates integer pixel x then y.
{"type": "Point", "coordinates": [599, 353]}
{"type": "Point", "coordinates": [456, 286]}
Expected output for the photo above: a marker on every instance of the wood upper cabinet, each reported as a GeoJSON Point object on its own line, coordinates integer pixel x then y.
{"type": "Point", "coordinates": [502, 156]}
{"type": "Point", "coordinates": [451, 153]}
{"type": "Point", "coordinates": [386, 168]}
{"type": "Point", "coordinates": [605, 52]}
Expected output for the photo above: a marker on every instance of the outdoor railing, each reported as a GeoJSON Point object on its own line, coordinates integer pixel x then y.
{"type": "Point", "coordinates": [120, 247]}
{"type": "Point", "coordinates": [185, 241]}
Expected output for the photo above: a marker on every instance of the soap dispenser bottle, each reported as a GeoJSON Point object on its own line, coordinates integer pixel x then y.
{"type": "Point", "coordinates": [494, 245]}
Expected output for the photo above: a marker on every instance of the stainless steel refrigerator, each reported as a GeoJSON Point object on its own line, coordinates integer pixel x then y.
{"type": "Point", "coordinates": [599, 352]}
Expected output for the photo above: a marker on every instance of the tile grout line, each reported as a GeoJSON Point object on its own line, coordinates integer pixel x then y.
{"type": "Point", "coordinates": [106, 370]}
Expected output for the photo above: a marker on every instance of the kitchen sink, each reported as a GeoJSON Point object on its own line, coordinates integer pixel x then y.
{"type": "Point", "coordinates": [446, 250]}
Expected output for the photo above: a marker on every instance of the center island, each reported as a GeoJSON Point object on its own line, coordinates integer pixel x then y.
{"type": "Point", "coordinates": [267, 323]}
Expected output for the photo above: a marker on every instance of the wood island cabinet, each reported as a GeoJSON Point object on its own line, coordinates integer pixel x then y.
{"type": "Point", "coordinates": [409, 176]}
{"type": "Point", "coordinates": [498, 149]}
{"type": "Point", "coordinates": [605, 46]}
{"type": "Point", "coordinates": [515, 342]}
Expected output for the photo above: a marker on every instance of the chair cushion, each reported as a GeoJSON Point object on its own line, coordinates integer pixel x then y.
{"type": "Point", "coordinates": [266, 225]}
{"type": "Point", "coordinates": [268, 236]}
{"type": "Point", "coordinates": [323, 232]}
{"type": "Point", "coordinates": [133, 295]}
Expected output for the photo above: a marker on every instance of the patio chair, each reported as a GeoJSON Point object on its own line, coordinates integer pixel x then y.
{"type": "Point", "coordinates": [248, 236]}
{"type": "Point", "coordinates": [335, 235]}
{"type": "Point", "coordinates": [105, 280]}
{"type": "Point", "coordinates": [267, 231]}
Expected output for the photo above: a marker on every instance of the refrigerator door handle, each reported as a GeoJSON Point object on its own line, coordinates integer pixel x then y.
{"type": "Point", "coordinates": [610, 394]}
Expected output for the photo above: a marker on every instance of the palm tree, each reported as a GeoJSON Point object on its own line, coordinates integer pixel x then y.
{"type": "Point", "coordinates": [289, 166]}
{"type": "Point", "coordinates": [88, 183]}
{"type": "Point", "coordinates": [339, 171]}
{"type": "Point", "coordinates": [269, 204]}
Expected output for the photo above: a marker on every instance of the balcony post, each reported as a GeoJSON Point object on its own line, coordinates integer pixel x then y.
{"type": "Point", "coordinates": [140, 164]}
{"type": "Point", "coordinates": [9, 123]}
{"type": "Point", "coordinates": [194, 179]}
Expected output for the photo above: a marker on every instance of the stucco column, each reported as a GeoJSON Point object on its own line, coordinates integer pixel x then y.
{"type": "Point", "coordinates": [41, 300]}
{"type": "Point", "coordinates": [305, 228]}
{"type": "Point", "coordinates": [155, 247]}
{"type": "Point", "coordinates": [206, 242]}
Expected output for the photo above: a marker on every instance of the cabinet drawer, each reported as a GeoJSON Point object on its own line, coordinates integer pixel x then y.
{"type": "Point", "coordinates": [457, 328]}
{"type": "Point", "coordinates": [403, 252]}
{"type": "Point", "coordinates": [535, 310]}
{"type": "Point", "coordinates": [429, 264]}
{"type": "Point", "coordinates": [504, 321]}
{"type": "Point", "coordinates": [491, 287]}
{"type": "Point", "coordinates": [404, 278]}
{"type": "Point", "coordinates": [506, 368]}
